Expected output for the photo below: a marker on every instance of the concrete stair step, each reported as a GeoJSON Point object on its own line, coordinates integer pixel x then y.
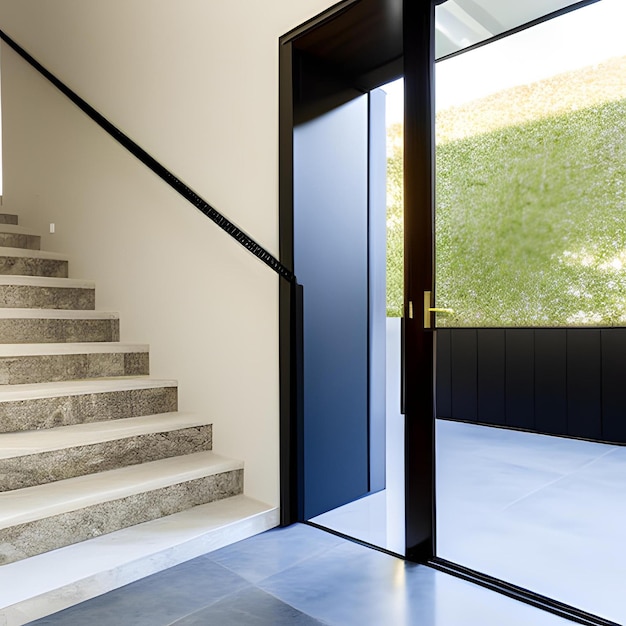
{"type": "Point", "coordinates": [57, 326]}
{"type": "Point", "coordinates": [37, 519]}
{"type": "Point", "coordinates": [41, 292]}
{"type": "Point", "coordinates": [14, 228]}
{"type": "Point", "coordinates": [49, 362]}
{"type": "Point", "coordinates": [38, 586]}
{"type": "Point", "coordinates": [42, 456]}
{"type": "Point", "coordinates": [13, 236]}
{"type": "Point", "coordinates": [49, 405]}
{"type": "Point", "coordinates": [102, 480]}
{"type": "Point", "coordinates": [22, 262]}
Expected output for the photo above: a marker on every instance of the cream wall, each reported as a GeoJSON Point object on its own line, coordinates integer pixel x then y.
{"type": "Point", "coordinates": [194, 82]}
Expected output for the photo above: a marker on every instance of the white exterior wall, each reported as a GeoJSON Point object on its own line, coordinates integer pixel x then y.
{"type": "Point", "coordinates": [195, 83]}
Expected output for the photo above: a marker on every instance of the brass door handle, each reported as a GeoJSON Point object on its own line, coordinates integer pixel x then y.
{"type": "Point", "coordinates": [432, 309]}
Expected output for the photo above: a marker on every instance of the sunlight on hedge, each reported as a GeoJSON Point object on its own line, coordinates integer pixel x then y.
{"type": "Point", "coordinates": [531, 217]}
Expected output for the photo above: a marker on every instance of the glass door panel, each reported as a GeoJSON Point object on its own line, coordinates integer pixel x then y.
{"type": "Point", "coordinates": [531, 264]}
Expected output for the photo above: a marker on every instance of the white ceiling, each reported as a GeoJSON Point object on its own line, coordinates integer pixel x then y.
{"type": "Point", "coordinates": [463, 23]}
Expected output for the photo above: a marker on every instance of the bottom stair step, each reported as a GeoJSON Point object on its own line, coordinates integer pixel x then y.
{"type": "Point", "coordinates": [44, 584]}
{"type": "Point", "coordinates": [38, 519]}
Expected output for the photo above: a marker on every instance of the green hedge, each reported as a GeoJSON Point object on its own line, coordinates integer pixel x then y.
{"type": "Point", "coordinates": [531, 224]}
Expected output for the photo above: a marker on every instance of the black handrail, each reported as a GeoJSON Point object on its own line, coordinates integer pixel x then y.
{"type": "Point", "coordinates": [160, 170]}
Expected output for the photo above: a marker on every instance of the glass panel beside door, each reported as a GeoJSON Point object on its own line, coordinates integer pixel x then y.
{"type": "Point", "coordinates": [531, 268]}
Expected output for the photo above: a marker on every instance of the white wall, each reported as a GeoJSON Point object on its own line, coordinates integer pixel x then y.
{"type": "Point", "coordinates": [195, 82]}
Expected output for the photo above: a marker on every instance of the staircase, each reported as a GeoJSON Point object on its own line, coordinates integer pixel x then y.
{"type": "Point", "coordinates": [90, 445]}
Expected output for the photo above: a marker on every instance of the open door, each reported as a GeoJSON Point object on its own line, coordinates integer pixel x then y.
{"type": "Point", "coordinates": [332, 441]}
{"type": "Point", "coordinates": [335, 215]}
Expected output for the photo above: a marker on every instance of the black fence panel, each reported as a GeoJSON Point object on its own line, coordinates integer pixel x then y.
{"type": "Point", "coordinates": [558, 381]}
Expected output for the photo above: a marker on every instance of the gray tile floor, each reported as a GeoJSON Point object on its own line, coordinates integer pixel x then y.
{"type": "Point", "coordinates": [300, 576]}
{"type": "Point", "coordinates": [545, 513]}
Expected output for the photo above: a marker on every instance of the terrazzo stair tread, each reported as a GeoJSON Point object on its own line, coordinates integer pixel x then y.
{"type": "Point", "coordinates": [30, 504]}
{"type": "Point", "coordinates": [43, 456]}
{"type": "Point", "coordinates": [38, 519]}
{"type": "Point", "coordinates": [14, 228]}
{"type": "Point", "coordinates": [45, 292]}
{"type": "Point", "coordinates": [8, 218]}
{"type": "Point", "coordinates": [48, 405]}
{"type": "Point", "coordinates": [57, 325]}
{"type": "Point", "coordinates": [15, 393]}
{"type": "Point", "coordinates": [25, 262]}
{"type": "Point", "coordinates": [22, 363]}
{"type": "Point", "coordinates": [34, 254]}
{"type": "Point", "coordinates": [43, 584]}
{"type": "Point", "coordinates": [95, 347]}
{"type": "Point", "coordinates": [46, 281]}
{"type": "Point", "coordinates": [59, 314]}
{"type": "Point", "coordinates": [32, 442]}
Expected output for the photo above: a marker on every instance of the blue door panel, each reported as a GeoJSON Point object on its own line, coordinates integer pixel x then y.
{"type": "Point", "coordinates": [331, 263]}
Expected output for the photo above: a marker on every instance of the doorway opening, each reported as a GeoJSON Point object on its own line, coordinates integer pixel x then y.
{"type": "Point", "coordinates": [377, 517]}
{"type": "Point", "coordinates": [328, 69]}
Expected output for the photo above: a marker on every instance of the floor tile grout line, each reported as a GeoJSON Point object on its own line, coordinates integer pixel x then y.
{"type": "Point", "coordinates": [225, 597]}
{"type": "Point", "coordinates": [556, 480]}
{"type": "Point", "coordinates": [295, 563]}
{"type": "Point", "coordinates": [295, 608]}
{"type": "Point", "coordinates": [488, 455]}
{"type": "Point", "coordinates": [247, 587]}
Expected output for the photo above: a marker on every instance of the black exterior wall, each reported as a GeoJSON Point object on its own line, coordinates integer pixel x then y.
{"type": "Point", "coordinates": [555, 381]}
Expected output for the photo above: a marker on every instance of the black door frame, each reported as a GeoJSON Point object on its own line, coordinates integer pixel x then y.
{"type": "Point", "coordinates": [416, 64]}
{"type": "Point", "coordinates": [418, 60]}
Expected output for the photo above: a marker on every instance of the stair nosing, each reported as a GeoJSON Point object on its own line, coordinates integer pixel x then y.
{"type": "Point", "coordinates": [16, 229]}
{"type": "Point", "coordinates": [54, 314]}
{"type": "Point", "coordinates": [8, 350]}
{"type": "Point", "coordinates": [33, 442]}
{"type": "Point", "coordinates": [19, 280]}
{"type": "Point", "coordinates": [72, 494]}
{"type": "Point", "coordinates": [32, 254]}
{"type": "Point", "coordinates": [34, 391]}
